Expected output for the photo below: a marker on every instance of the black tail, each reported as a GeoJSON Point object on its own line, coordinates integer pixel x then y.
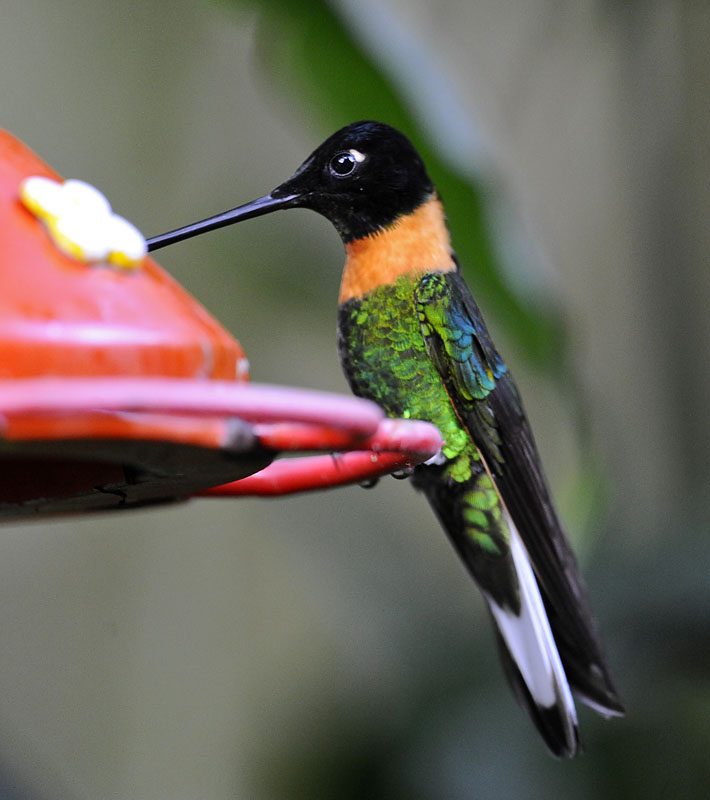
{"type": "Point", "coordinates": [525, 639]}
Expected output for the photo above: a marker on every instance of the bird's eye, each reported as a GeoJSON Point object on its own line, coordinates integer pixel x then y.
{"type": "Point", "coordinates": [343, 164]}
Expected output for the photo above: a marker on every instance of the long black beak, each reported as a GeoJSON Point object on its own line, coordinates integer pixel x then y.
{"type": "Point", "coordinates": [263, 205]}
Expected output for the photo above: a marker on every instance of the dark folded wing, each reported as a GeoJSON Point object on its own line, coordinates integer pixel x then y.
{"type": "Point", "coordinates": [488, 404]}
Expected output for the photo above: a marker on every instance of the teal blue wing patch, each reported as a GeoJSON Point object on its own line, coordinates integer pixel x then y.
{"type": "Point", "coordinates": [459, 345]}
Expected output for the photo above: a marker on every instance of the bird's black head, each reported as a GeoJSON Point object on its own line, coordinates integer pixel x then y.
{"type": "Point", "coordinates": [362, 178]}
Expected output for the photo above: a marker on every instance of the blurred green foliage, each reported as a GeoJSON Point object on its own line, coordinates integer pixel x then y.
{"type": "Point", "coordinates": [311, 54]}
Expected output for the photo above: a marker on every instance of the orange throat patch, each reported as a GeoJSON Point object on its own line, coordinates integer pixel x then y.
{"type": "Point", "coordinates": [416, 242]}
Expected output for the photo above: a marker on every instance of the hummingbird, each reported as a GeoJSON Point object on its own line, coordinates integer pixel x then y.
{"type": "Point", "coordinates": [412, 339]}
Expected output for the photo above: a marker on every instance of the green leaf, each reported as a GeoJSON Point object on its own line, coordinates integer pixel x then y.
{"type": "Point", "coordinates": [311, 53]}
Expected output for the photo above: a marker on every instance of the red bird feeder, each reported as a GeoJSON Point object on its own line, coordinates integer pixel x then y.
{"type": "Point", "coordinates": [118, 389]}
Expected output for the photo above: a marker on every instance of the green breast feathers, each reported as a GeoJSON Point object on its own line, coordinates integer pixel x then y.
{"type": "Point", "coordinates": [384, 353]}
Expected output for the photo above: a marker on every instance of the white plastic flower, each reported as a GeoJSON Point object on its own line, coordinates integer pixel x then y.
{"type": "Point", "coordinates": [80, 221]}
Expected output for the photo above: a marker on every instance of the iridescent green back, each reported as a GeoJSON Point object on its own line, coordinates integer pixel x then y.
{"type": "Point", "coordinates": [386, 360]}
